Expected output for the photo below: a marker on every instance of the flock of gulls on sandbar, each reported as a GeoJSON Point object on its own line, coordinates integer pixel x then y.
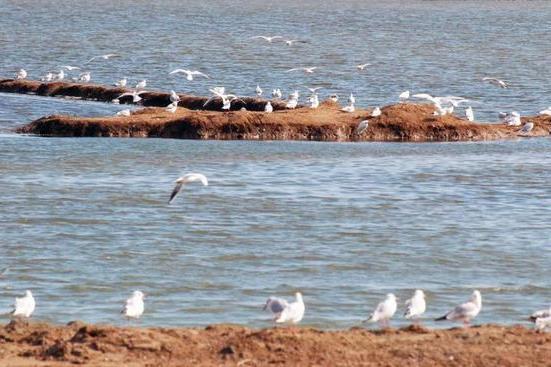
{"type": "Point", "coordinates": [445, 105]}
{"type": "Point", "coordinates": [282, 310]}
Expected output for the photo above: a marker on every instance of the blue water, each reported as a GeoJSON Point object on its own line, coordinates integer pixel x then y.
{"type": "Point", "coordinates": [84, 222]}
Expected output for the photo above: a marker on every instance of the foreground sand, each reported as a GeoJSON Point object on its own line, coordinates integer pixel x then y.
{"type": "Point", "coordinates": [39, 344]}
{"type": "Point", "coordinates": [399, 122]}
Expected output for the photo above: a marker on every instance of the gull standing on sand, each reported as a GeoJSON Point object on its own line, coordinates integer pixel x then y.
{"type": "Point", "coordinates": [465, 312]}
{"type": "Point", "coordinates": [352, 99]}
{"type": "Point", "coordinates": [349, 108]}
{"type": "Point", "coordinates": [362, 66]}
{"type": "Point", "coordinates": [174, 97]}
{"type": "Point", "coordinates": [85, 77]}
{"type": "Point", "coordinates": [258, 90]}
{"type": "Point", "coordinates": [135, 95]}
{"type": "Point", "coordinates": [276, 93]}
{"type": "Point", "coordinates": [314, 101]}
{"type": "Point", "coordinates": [543, 323]}
{"type": "Point", "coordinates": [121, 83]}
{"type": "Point", "coordinates": [285, 312]}
{"type": "Point", "coordinates": [269, 39]}
{"type": "Point", "coordinates": [376, 112]}
{"type": "Point", "coordinates": [495, 81]}
{"type": "Point", "coordinates": [190, 177]}
{"type": "Point", "coordinates": [541, 314]}
{"type": "Point", "coordinates": [48, 77]}
{"type": "Point", "coordinates": [141, 84]}
{"type": "Point", "coordinates": [546, 112]}
{"type": "Point", "coordinates": [60, 76]}
{"type": "Point", "coordinates": [268, 108]}
{"type": "Point", "coordinates": [123, 113]}
{"type": "Point", "coordinates": [416, 305]}
{"type": "Point", "coordinates": [308, 70]}
{"type": "Point", "coordinates": [334, 98]}
{"type": "Point", "coordinates": [189, 73]}
{"type": "Point", "coordinates": [24, 307]}
{"type": "Point", "coordinates": [21, 74]}
{"type": "Point", "coordinates": [512, 119]}
{"type": "Point", "coordinates": [172, 107]}
{"type": "Point", "coordinates": [103, 57]}
{"type": "Point", "coordinates": [527, 128]}
{"type": "Point", "coordinates": [404, 96]}
{"type": "Point", "coordinates": [362, 126]}
{"type": "Point", "coordinates": [134, 306]}
{"type": "Point", "coordinates": [384, 311]}
{"type": "Point", "coordinates": [469, 113]}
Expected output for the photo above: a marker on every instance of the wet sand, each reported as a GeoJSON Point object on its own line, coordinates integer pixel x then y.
{"type": "Point", "coordinates": [39, 344]}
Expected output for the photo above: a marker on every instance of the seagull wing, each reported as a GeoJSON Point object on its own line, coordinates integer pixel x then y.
{"type": "Point", "coordinates": [263, 37]}
{"type": "Point", "coordinates": [175, 191]}
{"type": "Point", "coordinates": [184, 71]}
{"type": "Point", "coordinates": [200, 73]}
{"type": "Point", "coordinates": [275, 305]}
{"type": "Point", "coordinates": [295, 69]}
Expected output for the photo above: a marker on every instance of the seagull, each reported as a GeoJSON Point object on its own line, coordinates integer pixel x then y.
{"type": "Point", "coordinates": [21, 74]}
{"type": "Point", "coordinates": [285, 312]}
{"type": "Point", "coordinates": [376, 112]}
{"type": "Point", "coordinates": [362, 66]}
{"type": "Point", "coordinates": [314, 90]}
{"type": "Point", "coordinates": [141, 84]}
{"type": "Point", "coordinates": [314, 101]}
{"type": "Point", "coordinates": [60, 76]}
{"type": "Point", "coordinates": [269, 39]}
{"type": "Point", "coordinates": [258, 90]}
{"type": "Point", "coordinates": [292, 103]}
{"type": "Point", "coordinates": [352, 99]}
{"type": "Point", "coordinates": [24, 307]}
{"type": "Point", "coordinates": [104, 57]}
{"type": "Point", "coordinates": [135, 95]}
{"type": "Point", "coordinates": [349, 108]}
{"type": "Point", "coordinates": [174, 97]}
{"type": "Point", "coordinates": [540, 314]}
{"type": "Point", "coordinates": [189, 73]}
{"type": "Point", "coordinates": [334, 98]}
{"type": "Point", "coordinates": [384, 311]}
{"type": "Point", "coordinates": [291, 42]}
{"type": "Point", "coordinates": [512, 119]}
{"type": "Point", "coordinates": [48, 77]}
{"type": "Point", "coordinates": [495, 81]}
{"type": "Point", "coordinates": [276, 93]}
{"type": "Point", "coordinates": [123, 113]}
{"type": "Point", "coordinates": [465, 312]}
{"type": "Point", "coordinates": [469, 113]}
{"type": "Point", "coordinates": [121, 83]}
{"type": "Point", "coordinates": [268, 107]}
{"type": "Point", "coordinates": [85, 77]}
{"type": "Point", "coordinates": [70, 68]}
{"type": "Point", "coordinates": [294, 95]}
{"type": "Point", "coordinates": [226, 103]}
{"type": "Point", "coordinates": [134, 306]}
{"type": "Point", "coordinates": [527, 128]}
{"type": "Point", "coordinates": [308, 70]}
{"type": "Point", "coordinates": [404, 95]}
{"type": "Point", "coordinates": [187, 178]}
{"type": "Point", "coordinates": [172, 107]}
{"type": "Point", "coordinates": [546, 112]}
{"type": "Point", "coordinates": [219, 92]}
{"type": "Point", "coordinates": [362, 126]}
{"type": "Point", "coordinates": [543, 323]}
{"type": "Point", "coordinates": [416, 305]}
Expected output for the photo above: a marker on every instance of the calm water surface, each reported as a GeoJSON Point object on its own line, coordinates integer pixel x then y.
{"type": "Point", "coordinates": [83, 222]}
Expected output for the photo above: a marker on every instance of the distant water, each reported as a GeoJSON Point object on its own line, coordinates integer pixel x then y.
{"type": "Point", "coordinates": [84, 222]}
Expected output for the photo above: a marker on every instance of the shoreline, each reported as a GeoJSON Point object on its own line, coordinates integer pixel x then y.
{"type": "Point", "coordinates": [401, 122]}
{"type": "Point", "coordinates": [26, 343]}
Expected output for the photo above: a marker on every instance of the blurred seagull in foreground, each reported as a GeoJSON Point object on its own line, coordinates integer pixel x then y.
{"type": "Point", "coordinates": [134, 306]}
{"type": "Point", "coordinates": [24, 307]}
{"type": "Point", "coordinates": [269, 39]}
{"type": "Point", "coordinates": [21, 74]}
{"type": "Point", "coordinates": [416, 305]}
{"type": "Point", "coordinates": [495, 81]}
{"type": "Point", "coordinates": [465, 312]}
{"type": "Point", "coordinates": [384, 311]}
{"type": "Point", "coordinates": [189, 73]}
{"type": "Point", "coordinates": [308, 70]}
{"type": "Point", "coordinates": [285, 312]}
{"type": "Point", "coordinates": [188, 178]}
{"type": "Point", "coordinates": [362, 126]}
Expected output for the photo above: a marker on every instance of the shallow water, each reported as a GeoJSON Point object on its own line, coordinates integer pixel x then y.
{"type": "Point", "coordinates": [85, 221]}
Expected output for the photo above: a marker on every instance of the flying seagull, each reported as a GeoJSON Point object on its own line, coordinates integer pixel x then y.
{"type": "Point", "coordinates": [495, 81]}
{"type": "Point", "coordinates": [190, 177]}
{"type": "Point", "coordinates": [103, 57]}
{"type": "Point", "coordinates": [269, 39]}
{"type": "Point", "coordinates": [189, 73]}
{"type": "Point", "coordinates": [308, 70]}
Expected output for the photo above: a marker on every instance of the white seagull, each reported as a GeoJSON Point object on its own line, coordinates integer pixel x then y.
{"type": "Point", "coordinates": [24, 307]}
{"type": "Point", "coordinates": [495, 81]}
{"type": "Point", "coordinates": [376, 112]}
{"type": "Point", "coordinates": [174, 97]}
{"type": "Point", "coordinates": [276, 93]}
{"type": "Point", "coordinates": [352, 99]}
{"type": "Point", "coordinates": [527, 128]}
{"type": "Point", "coordinates": [362, 66]}
{"type": "Point", "coordinates": [190, 177]}
{"type": "Point", "coordinates": [291, 42]}
{"type": "Point", "coordinates": [85, 77]}
{"type": "Point", "coordinates": [512, 119]}
{"type": "Point", "coordinates": [465, 312]}
{"type": "Point", "coordinates": [134, 306]}
{"type": "Point", "coordinates": [258, 90]}
{"type": "Point", "coordinates": [416, 305]}
{"type": "Point", "coordinates": [70, 68]}
{"type": "Point", "coordinates": [189, 73]}
{"type": "Point", "coordinates": [334, 98]}
{"type": "Point", "coordinates": [285, 312]}
{"type": "Point", "coordinates": [546, 112]}
{"type": "Point", "coordinates": [362, 126]}
{"type": "Point", "coordinates": [21, 74]}
{"type": "Point", "coordinates": [48, 77]}
{"type": "Point", "coordinates": [135, 95]}
{"type": "Point", "coordinates": [60, 76]}
{"type": "Point", "coordinates": [269, 39]}
{"type": "Point", "coordinates": [469, 113]}
{"type": "Point", "coordinates": [384, 311]}
{"type": "Point", "coordinates": [121, 83]}
{"type": "Point", "coordinates": [172, 107]}
{"type": "Point", "coordinates": [268, 107]}
{"type": "Point", "coordinates": [104, 57]}
{"type": "Point", "coordinates": [141, 84]}
{"type": "Point", "coordinates": [404, 95]}
{"type": "Point", "coordinates": [123, 113]}
{"type": "Point", "coordinates": [543, 323]}
{"type": "Point", "coordinates": [314, 101]}
{"type": "Point", "coordinates": [349, 108]}
{"type": "Point", "coordinates": [308, 70]}
{"type": "Point", "coordinates": [540, 314]}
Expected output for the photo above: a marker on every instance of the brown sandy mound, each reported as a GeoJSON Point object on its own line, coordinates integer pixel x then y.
{"type": "Point", "coordinates": [39, 344]}
{"type": "Point", "coordinates": [400, 122]}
